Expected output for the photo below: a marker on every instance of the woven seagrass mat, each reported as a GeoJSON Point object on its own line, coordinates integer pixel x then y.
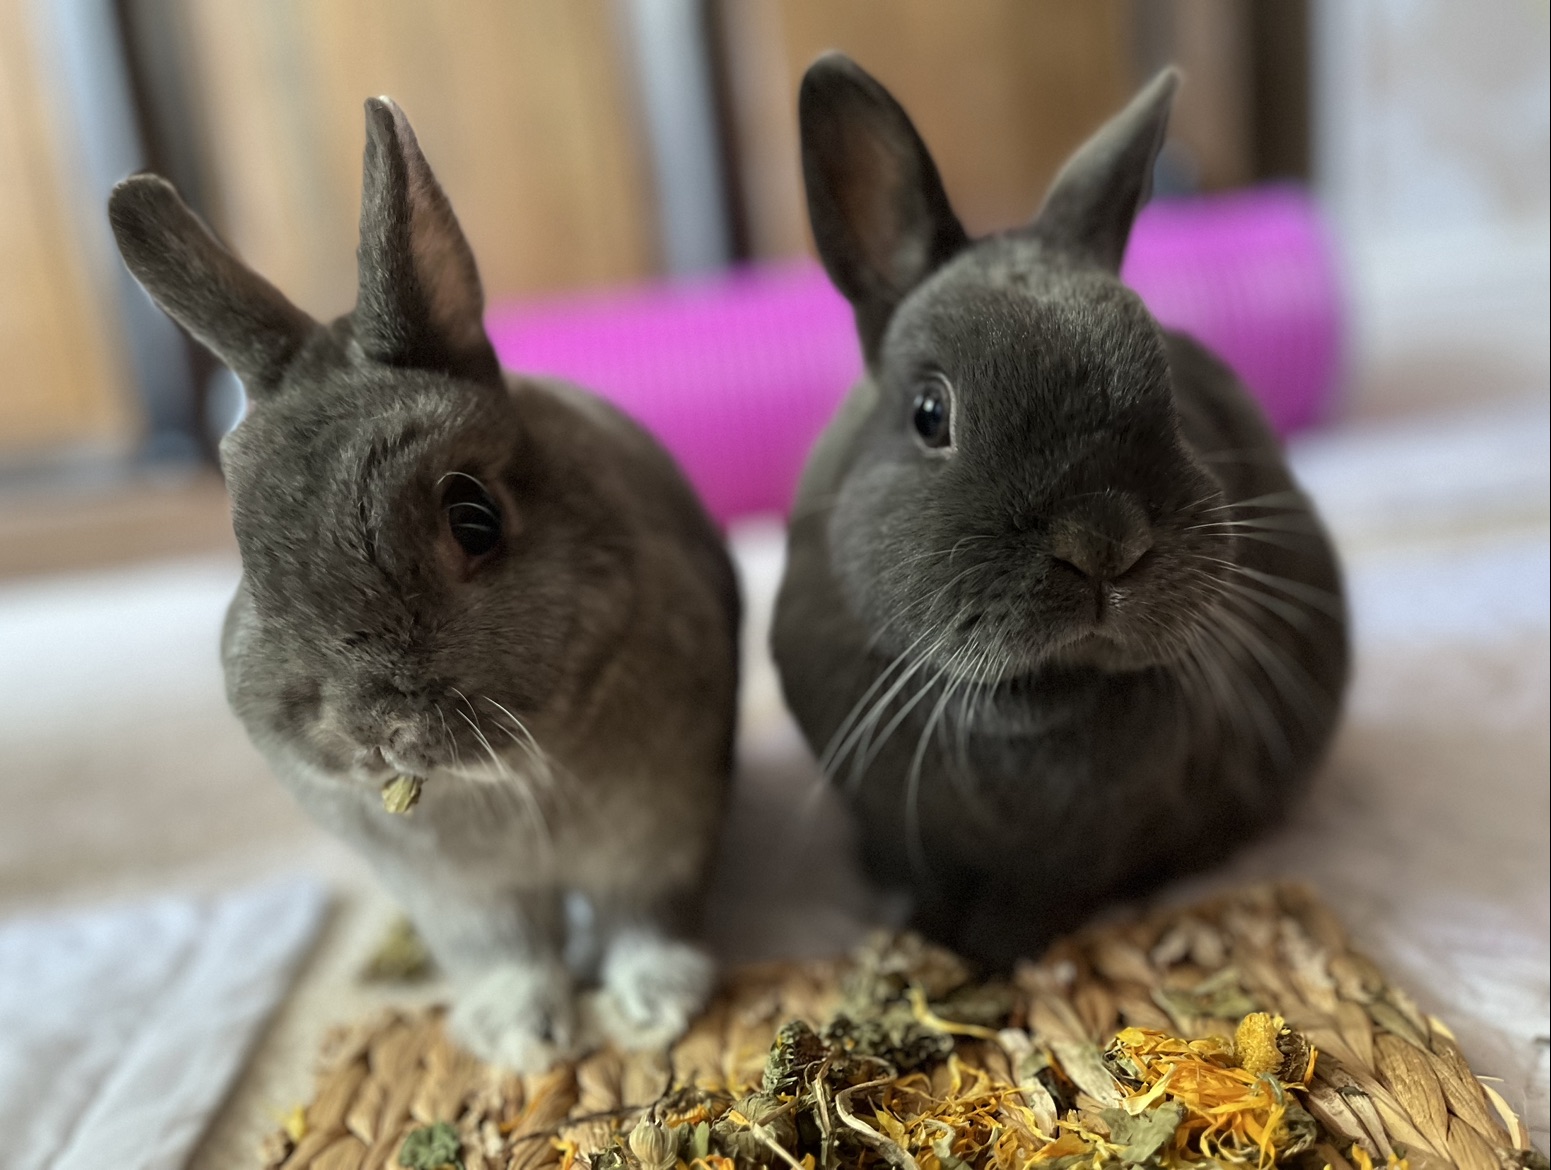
{"type": "Point", "coordinates": [896, 1057]}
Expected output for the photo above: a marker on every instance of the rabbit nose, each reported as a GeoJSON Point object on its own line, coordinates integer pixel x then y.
{"type": "Point", "coordinates": [1103, 559]}
{"type": "Point", "coordinates": [1104, 541]}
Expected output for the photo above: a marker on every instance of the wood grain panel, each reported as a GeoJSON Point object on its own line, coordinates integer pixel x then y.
{"type": "Point", "coordinates": [524, 110]}
{"type": "Point", "coordinates": [60, 384]}
{"type": "Point", "coordinates": [1001, 90]}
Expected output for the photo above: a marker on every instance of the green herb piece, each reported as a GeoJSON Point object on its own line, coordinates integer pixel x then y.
{"type": "Point", "coordinates": [401, 794]}
{"type": "Point", "coordinates": [432, 1147]}
{"type": "Point", "coordinates": [1144, 1136]}
{"type": "Point", "coordinates": [401, 956]}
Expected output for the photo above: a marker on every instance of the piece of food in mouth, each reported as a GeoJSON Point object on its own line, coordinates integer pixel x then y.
{"type": "Point", "coordinates": [401, 794]}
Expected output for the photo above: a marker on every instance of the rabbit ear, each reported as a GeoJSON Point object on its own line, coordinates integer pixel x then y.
{"type": "Point", "coordinates": [1096, 197]}
{"type": "Point", "coordinates": [419, 301]}
{"type": "Point", "coordinates": [242, 318]}
{"type": "Point", "coordinates": [880, 216]}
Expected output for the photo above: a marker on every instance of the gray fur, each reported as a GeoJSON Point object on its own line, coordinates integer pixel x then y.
{"type": "Point", "coordinates": [1098, 640]}
{"type": "Point", "coordinates": [569, 698]}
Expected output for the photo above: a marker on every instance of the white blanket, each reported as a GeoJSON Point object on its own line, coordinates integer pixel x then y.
{"type": "Point", "coordinates": [121, 1028]}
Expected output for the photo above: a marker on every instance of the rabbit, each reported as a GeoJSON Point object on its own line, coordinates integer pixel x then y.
{"type": "Point", "coordinates": [1056, 618]}
{"type": "Point", "coordinates": [497, 585]}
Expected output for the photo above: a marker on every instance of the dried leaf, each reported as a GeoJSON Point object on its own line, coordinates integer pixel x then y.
{"type": "Point", "coordinates": [401, 956]}
{"type": "Point", "coordinates": [401, 794]}
{"type": "Point", "coordinates": [891, 1152]}
{"type": "Point", "coordinates": [1219, 996]}
{"type": "Point", "coordinates": [1143, 1136]}
{"type": "Point", "coordinates": [432, 1147]}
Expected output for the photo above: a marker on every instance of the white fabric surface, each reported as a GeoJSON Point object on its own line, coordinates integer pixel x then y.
{"type": "Point", "coordinates": [121, 1028]}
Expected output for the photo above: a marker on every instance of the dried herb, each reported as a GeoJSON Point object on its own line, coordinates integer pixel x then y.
{"type": "Point", "coordinates": [1142, 1138]}
{"type": "Point", "coordinates": [401, 956]}
{"type": "Point", "coordinates": [1110, 1053]}
{"type": "Point", "coordinates": [1220, 996]}
{"type": "Point", "coordinates": [432, 1147]}
{"type": "Point", "coordinates": [401, 794]}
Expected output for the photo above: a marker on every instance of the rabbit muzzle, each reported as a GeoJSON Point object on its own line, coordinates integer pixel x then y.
{"type": "Point", "coordinates": [1103, 539]}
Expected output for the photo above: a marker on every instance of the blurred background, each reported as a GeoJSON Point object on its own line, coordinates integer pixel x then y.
{"type": "Point", "coordinates": [1352, 207]}
{"type": "Point", "coordinates": [593, 143]}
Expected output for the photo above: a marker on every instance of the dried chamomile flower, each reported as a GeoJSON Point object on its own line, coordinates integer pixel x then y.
{"type": "Point", "coordinates": [653, 1144]}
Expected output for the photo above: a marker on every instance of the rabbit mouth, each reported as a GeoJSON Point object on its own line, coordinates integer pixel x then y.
{"type": "Point", "coordinates": [1104, 650]}
{"type": "Point", "coordinates": [378, 762]}
{"type": "Point", "coordinates": [373, 763]}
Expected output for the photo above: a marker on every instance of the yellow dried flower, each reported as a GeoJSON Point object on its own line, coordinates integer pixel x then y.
{"type": "Point", "coordinates": [295, 1124]}
{"type": "Point", "coordinates": [401, 794]}
{"type": "Point", "coordinates": [1255, 1044]}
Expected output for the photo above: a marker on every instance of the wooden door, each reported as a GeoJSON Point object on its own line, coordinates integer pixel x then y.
{"type": "Point", "coordinates": [61, 376]}
{"type": "Point", "coordinates": [1001, 90]}
{"type": "Point", "coordinates": [525, 110]}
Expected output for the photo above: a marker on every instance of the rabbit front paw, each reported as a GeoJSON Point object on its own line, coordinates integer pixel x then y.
{"type": "Point", "coordinates": [521, 1016]}
{"type": "Point", "coordinates": [653, 987]}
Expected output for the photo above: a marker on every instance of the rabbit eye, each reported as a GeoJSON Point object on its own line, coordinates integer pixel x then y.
{"type": "Point", "coordinates": [472, 514]}
{"type": "Point", "coordinates": [929, 415]}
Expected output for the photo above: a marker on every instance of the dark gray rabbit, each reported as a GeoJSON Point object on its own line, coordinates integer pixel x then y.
{"type": "Point", "coordinates": [497, 585]}
{"type": "Point", "coordinates": [1056, 616]}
